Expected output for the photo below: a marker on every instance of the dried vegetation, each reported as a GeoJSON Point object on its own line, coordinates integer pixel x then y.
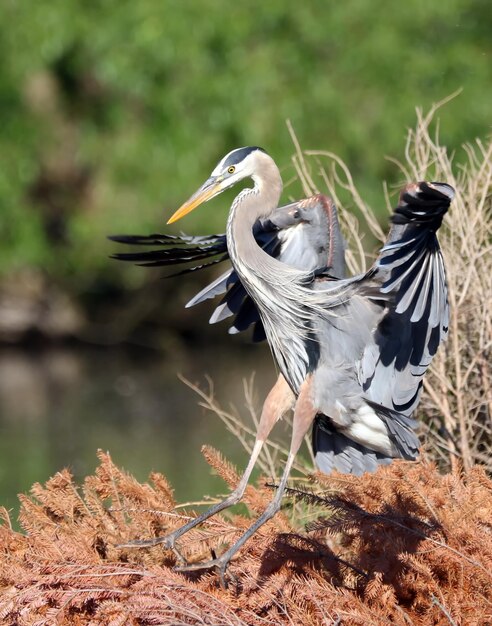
{"type": "Point", "coordinates": [404, 546]}
{"type": "Point", "coordinates": [409, 545]}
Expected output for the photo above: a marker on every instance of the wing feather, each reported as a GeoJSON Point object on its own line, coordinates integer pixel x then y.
{"type": "Point", "coordinates": [415, 322]}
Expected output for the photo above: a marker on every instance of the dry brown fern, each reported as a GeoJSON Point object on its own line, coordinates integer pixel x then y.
{"type": "Point", "coordinates": [402, 546]}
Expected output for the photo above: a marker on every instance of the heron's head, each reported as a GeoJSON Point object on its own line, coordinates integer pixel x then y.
{"type": "Point", "coordinates": [234, 167]}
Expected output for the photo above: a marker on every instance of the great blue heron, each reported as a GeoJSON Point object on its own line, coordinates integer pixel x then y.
{"type": "Point", "coordinates": [353, 352]}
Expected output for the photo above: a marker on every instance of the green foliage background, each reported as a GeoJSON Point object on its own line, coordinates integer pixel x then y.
{"type": "Point", "coordinates": [113, 111]}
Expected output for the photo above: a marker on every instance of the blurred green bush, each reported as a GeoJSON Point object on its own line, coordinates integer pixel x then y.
{"type": "Point", "coordinates": [113, 111]}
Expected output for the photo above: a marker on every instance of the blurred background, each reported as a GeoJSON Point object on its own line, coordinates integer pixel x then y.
{"type": "Point", "coordinates": [111, 114]}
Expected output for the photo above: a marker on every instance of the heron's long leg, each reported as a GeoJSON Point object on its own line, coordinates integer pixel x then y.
{"type": "Point", "coordinates": [279, 400]}
{"type": "Point", "coordinates": [304, 415]}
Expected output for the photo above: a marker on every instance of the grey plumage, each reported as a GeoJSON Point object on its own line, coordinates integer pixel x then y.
{"type": "Point", "coordinates": [363, 340]}
{"type": "Point", "coordinates": [352, 351]}
{"type": "Point", "coordinates": [366, 341]}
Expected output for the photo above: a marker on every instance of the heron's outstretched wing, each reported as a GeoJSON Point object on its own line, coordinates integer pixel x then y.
{"type": "Point", "coordinates": [304, 234]}
{"type": "Point", "coordinates": [406, 331]}
{"type": "Point", "coordinates": [416, 322]}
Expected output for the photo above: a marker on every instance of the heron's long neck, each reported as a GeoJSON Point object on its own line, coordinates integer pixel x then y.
{"type": "Point", "coordinates": [249, 206]}
{"type": "Point", "coordinates": [275, 287]}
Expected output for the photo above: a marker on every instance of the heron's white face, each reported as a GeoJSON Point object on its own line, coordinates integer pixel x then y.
{"type": "Point", "coordinates": [234, 167]}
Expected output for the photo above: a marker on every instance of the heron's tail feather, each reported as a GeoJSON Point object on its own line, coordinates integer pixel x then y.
{"type": "Point", "coordinates": [401, 430]}
{"type": "Point", "coordinates": [334, 450]}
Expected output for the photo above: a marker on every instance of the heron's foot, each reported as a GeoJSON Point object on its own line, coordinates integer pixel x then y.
{"type": "Point", "coordinates": [220, 564]}
{"type": "Point", "coordinates": [168, 541]}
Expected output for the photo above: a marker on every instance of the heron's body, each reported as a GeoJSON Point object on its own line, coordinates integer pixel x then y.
{"type": "Point", "coordinates": [353, 352]}
{"type": "Point", "coordinates": [327, 338]}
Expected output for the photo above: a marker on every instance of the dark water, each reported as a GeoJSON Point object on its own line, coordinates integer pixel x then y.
{"type": "Point", "coordinates": [58, 406]}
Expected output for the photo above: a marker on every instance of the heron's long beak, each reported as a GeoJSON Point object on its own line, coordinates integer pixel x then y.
{"type": "Point", "coordinates": [208, 190]}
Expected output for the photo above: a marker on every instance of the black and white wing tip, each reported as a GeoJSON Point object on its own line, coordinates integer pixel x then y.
{"type": "Point", "coordinates": [417, 315]}
{"type": "Point", "coordinates": [412, 257]}
{"type": "Point", "coordinates": [423, 203]}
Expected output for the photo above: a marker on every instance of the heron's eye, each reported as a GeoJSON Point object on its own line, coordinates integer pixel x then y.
{"type": "Point", "coordinates": [231, 169]}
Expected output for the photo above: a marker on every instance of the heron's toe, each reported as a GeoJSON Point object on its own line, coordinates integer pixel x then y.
{"type": "Point", "coordinates": [220, 564]}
